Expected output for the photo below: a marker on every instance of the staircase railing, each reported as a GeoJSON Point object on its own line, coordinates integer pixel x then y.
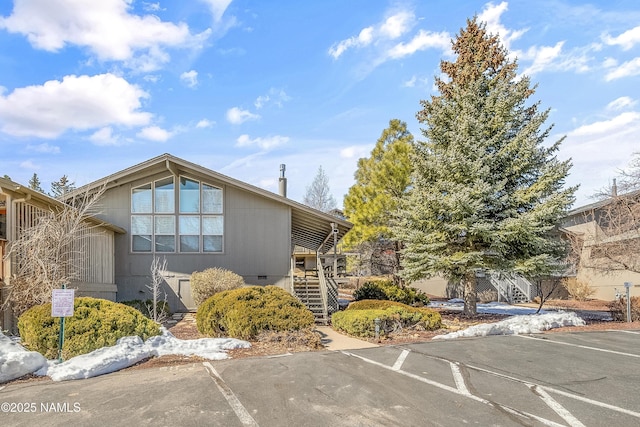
{"type": "Point", "coordinates": [328, 290]}
{"type": "Point", "coordinates": [507, 284]}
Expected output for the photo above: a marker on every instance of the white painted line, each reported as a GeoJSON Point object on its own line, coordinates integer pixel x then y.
{"type": "Point", "coordinates": [626, 332]}
{"type": "Point", "coordinates": [458, 378]}
{"type": "Point", "coordinates": [400, 360]}
{"type": "Point", "coordinates": [560, 392]}
{"type": "Point", "coordinates": [241, 412]}
{"type": "Point", "coordinates": [604, 350]}
{"type": "Point", "coordinates": [557, 408]}
{"type": "Point", "coordinates": [544, 421]}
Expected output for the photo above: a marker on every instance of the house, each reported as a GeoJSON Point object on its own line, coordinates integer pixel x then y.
{"type": "Point", "coordinates": [605, 238]}
{"type": "Point", "coordinates": [20, 207]}
{"type": "Point", "coordinates": [196, 218]}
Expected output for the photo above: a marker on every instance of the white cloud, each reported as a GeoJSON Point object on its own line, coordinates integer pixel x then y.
{"type": "Point", "coordinates": [204, 123]}
{"type": "Point", "coordinates": [152, 7]}
{"type": "Point", "coordinates": [28, 164]}
{"type": "Point", "coordinates": [398, 24]}
{"type": "Point", "coordinates": [75, 103]}
{"type": "Point", "coordinates": [617, 124]}
{"type": "Point", "coordinates": [421, 41]}
{"type": "Point", "coordinates": [274, 96]}
{"type": "Point", "coordinates": [627, 69]}
{"type": "Point", "coordinates": [264, 143]}
{"type": "Point", "coordinates": [355, 151]}
{"type": "Point", "coordinates": [153, 78]}
{"type": "Point", "coordinates": [362, 39]}
{"type": "Point", "coordinates": [154, 133]}
{"type": "Point", "coordinates": [542, 57]}
{"type": "Point", "coordinates": [491, 16]}
{"type": "Point", "coordinates": [621, 103]}
{"type": "Point", "coordinates": [104, 136]}
{"type": "Point", "coordinates": [217, 7]}
{"type": "Point", "coordinates": [44, 148]}
{"type": "Point", "coordinates": [190, 78]}
{"type": "Point", "coordinates": [610, 62]}
{"type": "Point", "coordinates": [626, 40]}
{"type": "Point", "coordinates": [238, 116]}
{"type": "Point", "coordinates": [106, 27]}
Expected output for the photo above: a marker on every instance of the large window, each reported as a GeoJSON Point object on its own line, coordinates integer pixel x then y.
{"type": "Point", "coordinates": [197, 227]}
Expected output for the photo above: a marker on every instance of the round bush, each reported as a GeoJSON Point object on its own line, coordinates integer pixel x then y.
{"type": "Point", "coordinates": [96, 323]}
{"type": "Point", "coordinates": [246, 312]}
{"type": "Point", "coordinates": [359, 319]}
{"type": "Point", "coordinates": [387, 290]}
{"type": "Point", "coordinates": [211, 281]}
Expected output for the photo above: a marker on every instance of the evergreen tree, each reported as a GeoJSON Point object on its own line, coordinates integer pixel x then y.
{"type": "Point", "coordinates": [34, 183]}
{"type": "Point", "coordinates": [381, 180]}
{"type": "Point", "coordinates": [486, 193]}
{"type": "Point", "coordinates": [318, 194]}
{"type": "Point", "coordinates": [61, 187]}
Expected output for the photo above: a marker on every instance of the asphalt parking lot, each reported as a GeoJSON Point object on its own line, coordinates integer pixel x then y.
{"type": "Point", "coordinates": [561, 379]}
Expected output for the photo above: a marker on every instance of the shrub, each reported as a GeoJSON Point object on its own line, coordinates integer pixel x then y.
{"type": "Point", "coordinates": [387, 290]}
{"type": "Point", "coordinates": [246, 312]}
{"type": "Point", "coordinates": [145, 307]}
{"type": "Point", "coordinates": [211, 281]}
{"type": "Point", "coordinates": [618, 309]}
{"type": "Point", "coordinates": [96, 323]}
{"type": "Point", "coordinates": [359, 320]}
{"type": "Point", "coordinates": [577, 289]}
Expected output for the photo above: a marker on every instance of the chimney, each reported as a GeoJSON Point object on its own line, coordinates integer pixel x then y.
{"type": "Point", "coordinates": [282, 182]}
{"type": "Point", "coordinates": [614, 188]}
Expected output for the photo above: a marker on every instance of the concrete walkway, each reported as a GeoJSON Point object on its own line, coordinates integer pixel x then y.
{"type": "Point", "coordinates": [333, 340]}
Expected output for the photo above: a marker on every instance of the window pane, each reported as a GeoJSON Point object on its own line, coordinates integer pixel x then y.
{"type": "Point", "coordinates": [165, 243]}
{"type": "Point", "coordinates": [212, 243]}
{"type": "Point", "coordinates": [189, 195]}
{"type": "Point", "coordinates": [212, 225]}
{"type": "Point", "coordinates": [189, 225]}
{"type": "Point", "coordinates": [141, 244]}
{"type": "Point", "coordinates": [211, 199]}
{"type": "Point", "coordinates": [165, 225]}
{"type": "Point", "coordinates": [165, 196]}
{"type": "Point", "coordinates": [141, 199]}
{"type": "Point", "coordinates": [141, 224]}
{"type": "Point", "coordinates": [189, 243]}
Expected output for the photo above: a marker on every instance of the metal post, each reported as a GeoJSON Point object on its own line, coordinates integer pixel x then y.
{"type": "Point", "coordinates": [61, 338]}
{"type": "Point", "coordinates": [334, 230]}
{"type": "Point", "coordinates": [627, 285]}
{"type": "Point", "coordinates": [376, 322]}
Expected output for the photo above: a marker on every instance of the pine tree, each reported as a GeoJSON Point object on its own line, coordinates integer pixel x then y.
{"type": "Point", "coordinates": [486, 193]}
{"type": "Point", "coordinates": [318, 194]}
{"type": "Point", "coordinates": [381, 180]}
{"type": "Point", "coordinates": [34, 183]}
{"type": "Point", "coordinates": [61, 187]}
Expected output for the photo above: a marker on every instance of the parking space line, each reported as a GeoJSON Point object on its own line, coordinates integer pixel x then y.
{"type": "Point", "coordinates": [510, 410]}
{"type": "Point", "coordinates": [241, 412]}
{"type": "Point", "coordinates": [557, 408]}
{"type": "Point", "coordinates": [604, 350]}
{"type": "Point", "coordinates": [400, 360]}
{"type": "Point", "coordinates": [623, 331]}
{"type": "Point", "coordinates": [458, 378]}
{"type": "Point", "coordinates": [560, 392]}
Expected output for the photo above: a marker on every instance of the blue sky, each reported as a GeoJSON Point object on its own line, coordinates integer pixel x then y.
{"type": "Point", "coordinates": [89, 88]}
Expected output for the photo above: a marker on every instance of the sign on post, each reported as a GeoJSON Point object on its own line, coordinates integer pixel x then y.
{"type": "Point", "coordinates": [62, 302]}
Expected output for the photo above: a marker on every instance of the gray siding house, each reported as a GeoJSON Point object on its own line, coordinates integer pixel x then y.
{"type": "Point", "coordinates": [196, 218]}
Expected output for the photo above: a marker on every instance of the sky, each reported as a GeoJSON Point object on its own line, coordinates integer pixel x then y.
{"type": "Point", "coordinates": [17, 361]}
{"type": "Point", "coordinates": [90, 88]}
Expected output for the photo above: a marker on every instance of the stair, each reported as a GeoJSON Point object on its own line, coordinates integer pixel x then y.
{"type": "Point", "coordinates": [309, 293]}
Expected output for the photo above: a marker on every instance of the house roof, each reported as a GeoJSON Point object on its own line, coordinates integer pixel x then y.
{"type": "Point", "coordinates": [20, 191]}
{"type": "Point", "coordinates": [599, 204]}
{"type": "Point", "coordinates": [310, 228]}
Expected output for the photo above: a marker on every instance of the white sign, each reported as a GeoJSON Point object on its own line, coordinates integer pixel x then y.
{"type": "Point", "coordinates": [62, 302]}
{"type": "Point", "coordinates": [627, 284]}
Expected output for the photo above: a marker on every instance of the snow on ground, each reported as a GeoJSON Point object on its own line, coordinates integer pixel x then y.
{"type": "Point", "coordinates": [15, 361]}
{"type": "Point", "coordinates": [457, 304]}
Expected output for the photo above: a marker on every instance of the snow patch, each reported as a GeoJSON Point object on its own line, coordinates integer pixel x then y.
{"type": "Point", "coordinates": [16, 361]}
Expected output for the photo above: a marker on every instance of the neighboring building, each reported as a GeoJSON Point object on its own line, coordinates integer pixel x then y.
{"type": "Point", "coordinates": [20, 207]}
{"type": "Point", "coordinates": [196, 218]}
{"type": "Point", "coordinates": [606, 240]}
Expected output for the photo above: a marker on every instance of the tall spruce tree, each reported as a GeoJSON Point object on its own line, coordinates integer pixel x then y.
{"type": "Point", "coordinates": [381, 180]}
{"type": "Point", "coordinates": [486, 193]}
{"type": "Point", "coordinates": [61, 187]}
{"type": "Point", "coordinates": [34, 183]}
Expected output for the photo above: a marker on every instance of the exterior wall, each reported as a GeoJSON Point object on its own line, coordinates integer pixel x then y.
{"type": "Point", "coordinates": [257, 245]}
